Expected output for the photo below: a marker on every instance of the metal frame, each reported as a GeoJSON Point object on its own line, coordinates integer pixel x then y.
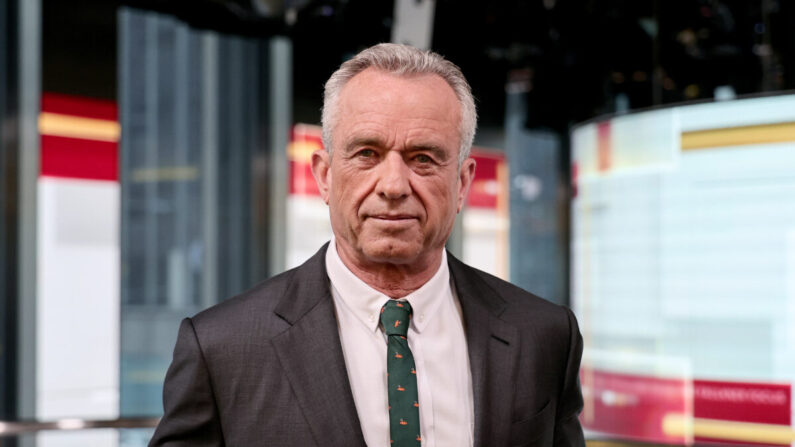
{"type": "Point", "coordinates": [29, 72]}
{"type": "Point", "coordinates": [8, 211]}
{"type": "Point", "coordinates": [8, 429]}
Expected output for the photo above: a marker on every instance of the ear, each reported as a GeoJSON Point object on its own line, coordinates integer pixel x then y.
{"type": "Point", "coordinates": [321, 170]}
{"type": "Point", "coordinates": [465, 176]}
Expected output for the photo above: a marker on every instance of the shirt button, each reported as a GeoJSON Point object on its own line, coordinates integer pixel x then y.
{"type": "Point", "coordinates": [372, 317]}
{"type": "Point", "coordinates": [422, 317]}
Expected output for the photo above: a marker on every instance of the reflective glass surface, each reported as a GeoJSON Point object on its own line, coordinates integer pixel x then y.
{"type": "Point", "coordinates": [191, 109]}
{"type": "Point", "coordinates": [683, 271]}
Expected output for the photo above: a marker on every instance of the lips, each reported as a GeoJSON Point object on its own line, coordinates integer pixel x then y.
{"type": "Point", "coordinates": [392, 216]}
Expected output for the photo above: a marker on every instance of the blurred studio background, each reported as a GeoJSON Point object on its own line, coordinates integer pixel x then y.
{"type": "Point", "coordinates": [636, 161]}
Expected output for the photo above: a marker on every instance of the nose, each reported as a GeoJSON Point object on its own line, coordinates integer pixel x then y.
{"type": "Point", "coordinates": [393, 181]}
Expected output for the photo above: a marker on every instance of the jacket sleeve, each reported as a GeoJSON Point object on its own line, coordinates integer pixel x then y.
{"type": "Point", "coordinates": [568, 431]}
{"type": "Point", "coordinates": [190, 413]}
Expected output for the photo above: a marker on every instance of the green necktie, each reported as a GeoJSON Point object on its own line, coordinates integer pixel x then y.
{"type": "Point", "coordinates": [404, 409]}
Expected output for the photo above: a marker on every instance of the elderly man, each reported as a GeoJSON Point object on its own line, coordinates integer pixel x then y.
{"type": "Point", "coordinates": [382, 338]}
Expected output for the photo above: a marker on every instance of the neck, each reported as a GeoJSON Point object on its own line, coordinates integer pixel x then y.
{"type": "Point", "coordinates": [393, 280]}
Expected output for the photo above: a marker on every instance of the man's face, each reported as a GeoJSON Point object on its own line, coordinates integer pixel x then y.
{"type": "Point", "coordinates": [392, 183]}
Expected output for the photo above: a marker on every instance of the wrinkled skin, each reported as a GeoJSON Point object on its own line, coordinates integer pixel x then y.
{"type": "Point", "coordinates": [392, 182]}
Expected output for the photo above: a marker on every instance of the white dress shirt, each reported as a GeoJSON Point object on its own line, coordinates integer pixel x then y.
{"type": "Point", "coordinates": [437, 342]}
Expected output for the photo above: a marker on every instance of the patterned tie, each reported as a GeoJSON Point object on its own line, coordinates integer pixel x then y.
{"type": "Point", "coordinates": [404, 409]}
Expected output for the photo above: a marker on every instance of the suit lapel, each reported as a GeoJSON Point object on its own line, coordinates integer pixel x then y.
{"type": "Point", "coordinates": [493, 354]}
{"type": "Point", "coordinates": [311, 355]}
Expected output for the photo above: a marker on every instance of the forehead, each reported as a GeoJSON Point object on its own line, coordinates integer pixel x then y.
{"type": "Point", "coordinates": [415, 95]}
{"type": "Point", "coordinates": [374, 99]}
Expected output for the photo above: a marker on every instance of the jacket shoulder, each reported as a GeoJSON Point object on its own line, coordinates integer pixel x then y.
{"type": "Point", "coordinates": [262, 295]}
{"type": "Point", "coordinates": [248, 308]}
{"type": "Point", "coordinates": [518, 306]}
{"type": "Point", "coordinates": [509, 292]}
{"type": "Point", "coordinates": [256, 312]}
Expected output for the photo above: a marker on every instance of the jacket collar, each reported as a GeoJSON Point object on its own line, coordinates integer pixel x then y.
{"type": "Point", "coordinates": [311, 355]}
{"type": "Point", "coordinates": [493, 348]}
{"type": "Point", "coordinates": [310, 352]}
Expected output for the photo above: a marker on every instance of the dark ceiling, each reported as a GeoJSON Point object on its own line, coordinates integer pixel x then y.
{"type": "Point", "coordinates": [578, 55]}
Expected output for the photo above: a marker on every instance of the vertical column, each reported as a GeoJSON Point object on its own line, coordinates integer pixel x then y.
{"type": "Point", "coordinates": [413, 22]}
{"type": "Point", "coordinates": [455, 243]}
{"type": "Point", "coordinates": [209, 167]}
{"type": "Point", "coordinates": [232, 167]}
{"type": "Point", "coordinates": [8, 213]}
{"type": "Point", "coordinates": [180, 287]}
{"type": "Point", "coordinates": [537, 261]}
{"type": "Point", "coordinates": [280, 112]}
{"type": "Point", "coordinates": [123, 50]}
{"type": "Point", "coordinates": [151, 123]}
{"type": "Point", "coordinates": [29, 75]}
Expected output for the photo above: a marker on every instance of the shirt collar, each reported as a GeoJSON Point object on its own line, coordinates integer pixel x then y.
{"type": "Point", "coordinates": [366, 302]}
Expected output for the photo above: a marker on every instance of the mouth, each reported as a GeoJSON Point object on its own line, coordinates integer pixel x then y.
{"type": "Point", "coordinates": [393, 221]}
{"type": "Point", "coordinates": [392, 217]}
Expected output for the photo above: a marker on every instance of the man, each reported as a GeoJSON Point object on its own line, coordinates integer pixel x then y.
{"type": "Point", "coordinates": [382, 338]}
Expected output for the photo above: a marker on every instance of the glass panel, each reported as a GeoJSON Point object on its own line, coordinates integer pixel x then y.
{"type": "Point", "coordinates": [190, 107]}
{"type": "Point", "coordinates": [537, 220]}
{"type": "Point", "coordinates": [138, 437]}
{"type": "Point", "coordinates": [684, 272]}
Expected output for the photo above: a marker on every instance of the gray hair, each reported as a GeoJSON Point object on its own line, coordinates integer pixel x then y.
{"type": "Point", "coordinates": [402, 60]}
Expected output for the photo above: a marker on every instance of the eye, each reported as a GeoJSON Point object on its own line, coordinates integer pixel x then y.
{"type": "Point", "coordinates": [423, 159]}
{"type": "Point", "coordinates": [366, 153]}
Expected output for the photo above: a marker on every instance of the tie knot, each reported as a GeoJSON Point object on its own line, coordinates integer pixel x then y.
{"type": "Point", "coordinates": [395, 316]}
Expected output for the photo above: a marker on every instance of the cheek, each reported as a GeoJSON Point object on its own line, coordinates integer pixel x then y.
{"type": "Point", "coordinates": [438, 197]}
{"type": "Point", "coordinates": [350, 192]}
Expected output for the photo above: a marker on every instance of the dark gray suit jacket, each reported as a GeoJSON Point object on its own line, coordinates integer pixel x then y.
{"type": "Point", "coordinates": [266, 368]}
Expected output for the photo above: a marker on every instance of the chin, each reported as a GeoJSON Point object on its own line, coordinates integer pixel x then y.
{"type": "Point", "coordinates": [391, 251]}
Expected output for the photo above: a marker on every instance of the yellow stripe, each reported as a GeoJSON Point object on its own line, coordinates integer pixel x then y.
{"type": "Point", "coordinates": [739, 136]}
{"type": "Point", "coordinates": [78, 127]}
{"type": "Point", "coordinates": [678, 424]}
{"type": "Point", "coordinates": [166, 174]}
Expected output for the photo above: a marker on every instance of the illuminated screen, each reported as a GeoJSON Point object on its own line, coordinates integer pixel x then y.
{"type": "Point", "coordinates": [683, 272]}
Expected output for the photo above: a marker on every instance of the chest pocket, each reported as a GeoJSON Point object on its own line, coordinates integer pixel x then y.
{"type": "Point", "coordinates": [536, 431]}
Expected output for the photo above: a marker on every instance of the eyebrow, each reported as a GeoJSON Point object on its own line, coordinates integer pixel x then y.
{"type": "Point", "coordinates": [362, 141]}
